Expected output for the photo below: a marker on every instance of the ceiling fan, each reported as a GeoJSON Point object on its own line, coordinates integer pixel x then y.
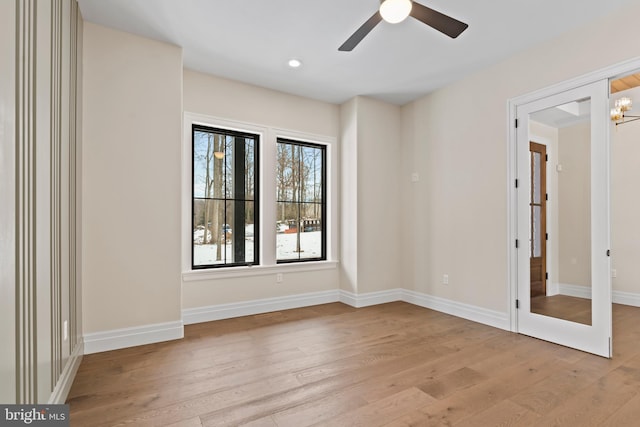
{"type": "Point", "coordinates": [394, 11]}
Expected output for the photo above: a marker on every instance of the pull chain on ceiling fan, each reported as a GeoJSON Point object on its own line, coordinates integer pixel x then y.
{"type": "Point", "coordinates": [394, 11]}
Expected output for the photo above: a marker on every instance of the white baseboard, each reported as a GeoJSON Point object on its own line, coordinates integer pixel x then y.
{"type": "Point", "coordinates": [553, 289]}
{"type": "Point", "coordinates": [370, 298]}
{"type": "Point", "coordinates": [626, 298]}
{"type": "Point", "coordinates": [617, 297]}
{"type": "Point", "coordinates": [493, 318]}
{"type": "Point", "coordinates": [466, 311]}
{"type": "Point", "coordinates": [131, 337]}
{"type": "Point", "coordinates": [61, 390]}
{"type": "Point", "coordinates": [577, 291]}
{"type": "Point", "coordinates": [249, 308]}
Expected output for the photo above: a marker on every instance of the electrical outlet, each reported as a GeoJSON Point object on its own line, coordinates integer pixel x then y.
{"type": "Point", "coordinates": [445, 279]}
{"type": "Point", "coordinates": [279, 278]}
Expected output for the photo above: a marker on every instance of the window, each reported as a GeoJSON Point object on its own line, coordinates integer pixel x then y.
{"type": "Point", "coordinates": [225, 200]}
{"type": "Point", "coordinates": [301, 206]}
{"type": "Point", "coordinates": [239, 176]}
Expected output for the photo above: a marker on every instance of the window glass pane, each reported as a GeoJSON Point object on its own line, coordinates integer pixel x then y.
{"type": "Point", "coordinates": [208, 170]}
{"type": "Point", "coordinates": [311, 178]}
{"type": "Point", "coordinates": [311, 232]}
{"type": "Point", "coordinates": [249, 162]}
{"type": "Point", "coordinates": [210, 236]}
{"type": "Point", "coordinates": [283, 173]}
{"type": "Point", "coordinates": [228, 167]}
{"type": "Point", "coordinates": [249, 232]}
{"type": "Point", "coordinates": [287, 231]}
{"type": "Point", "coordinates": [301, 239]}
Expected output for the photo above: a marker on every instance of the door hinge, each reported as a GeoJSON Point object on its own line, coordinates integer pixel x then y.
{"type": "Point", "coordinates": [546, 157]}
{"type": "Point", "coordinates": [516, 183]}
{"type": "Point", "coordinates": [546, 275]}
{"type": "Point", "coordinates": [546, 197]}
{"type": "Point", "coordinates": [516, 123]}
{"type": "Point", "coordinates": [517, 303]}
{"type": "Point", "coordinates": [608, 252]}
{"type": "Point", "coordinates": [516, 243]}
{"type": "Point", "coordinates": [546, 236]}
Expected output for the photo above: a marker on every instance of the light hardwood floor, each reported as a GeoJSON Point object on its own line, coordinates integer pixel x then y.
{"type": "Point", "coordinates": [389, 365]}
{"type": "Point", "coordinates": [563, 307]}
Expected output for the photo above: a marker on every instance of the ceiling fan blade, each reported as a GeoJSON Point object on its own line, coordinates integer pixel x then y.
{"type": "Point", "coordinates": [441, 22]}
{"type": "Point", "coordinates": [360, 33]}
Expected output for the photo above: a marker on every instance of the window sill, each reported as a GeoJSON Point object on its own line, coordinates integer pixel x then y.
{"type": "Point", "coordinates": [257, 270]}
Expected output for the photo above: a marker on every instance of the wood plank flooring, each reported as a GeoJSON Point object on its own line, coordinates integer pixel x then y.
{"type": "Point", "coordinates": [563, 307]}
{"type": "Point", "coordinates": [332, 365]}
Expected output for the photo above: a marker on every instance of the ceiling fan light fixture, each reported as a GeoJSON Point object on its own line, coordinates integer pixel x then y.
{"type": "Point", "coordinates": [395, 11]}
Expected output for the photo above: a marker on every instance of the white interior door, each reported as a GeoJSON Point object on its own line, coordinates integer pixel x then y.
{"type": "Point", "coordinates": [576, 309]}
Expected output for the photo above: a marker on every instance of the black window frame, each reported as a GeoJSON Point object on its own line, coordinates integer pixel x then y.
{"type": "Point", "coordinates": [256, 194]}
{"type": "Point", "coordinates": [323, 149]}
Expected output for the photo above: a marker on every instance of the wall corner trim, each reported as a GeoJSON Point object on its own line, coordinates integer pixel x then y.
{"type": "Point", "coordinates": [370, 298]}
{"type": "Point", "coordinates": [130, 337]}
{"type": "Point", "coordinates": [61, 390]}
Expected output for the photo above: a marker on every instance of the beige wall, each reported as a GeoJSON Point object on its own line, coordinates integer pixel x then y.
{"type": "Point", "coordinates": [625, 205]}
{"type": "Point", "coordinates": [370, 215]}
{"type": "Point", "coordinates": [232, 100]}
{"type": "Point", "coordinates": [379, 179]}
{"type": "Point", "coordinates": [225, 99]}
{"type": "Point", "coordinates": [457, 141]}
{"type": "Point", "coordinates": [131, 180]}
{"type": "Point", "coordinates": [349, 196]}
{"type": "Point", "coordinates": [574, 204]}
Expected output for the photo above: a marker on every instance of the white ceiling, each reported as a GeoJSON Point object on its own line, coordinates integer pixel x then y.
{"type": "Point", "coordinates": [252, 40]}
{"type": "Point", "coordinates": [564, 115]}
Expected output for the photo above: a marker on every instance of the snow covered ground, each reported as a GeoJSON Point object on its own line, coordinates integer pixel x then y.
{"type": "Point", "coordinates": [310, 244]}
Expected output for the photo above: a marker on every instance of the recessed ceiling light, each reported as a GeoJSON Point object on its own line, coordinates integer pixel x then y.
{"type": "Point", "coordinates": [294, 63]}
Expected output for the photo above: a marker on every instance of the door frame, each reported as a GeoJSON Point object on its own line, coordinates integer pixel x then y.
{"type": "Point", "coordinates": [610, 72]}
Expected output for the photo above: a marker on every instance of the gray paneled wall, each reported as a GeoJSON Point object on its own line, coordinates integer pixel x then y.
{"type": "Point", "coordinates": [39, 225]}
